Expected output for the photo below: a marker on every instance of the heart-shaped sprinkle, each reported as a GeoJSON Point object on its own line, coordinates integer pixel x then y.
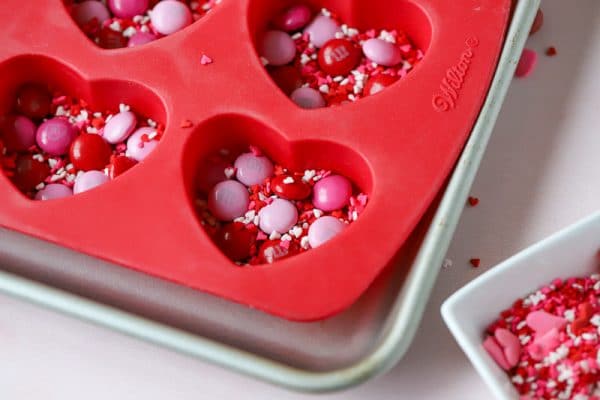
{"type": "Point", "coordinates": [511, 345]}
{"type": "Point", "coordinates": [491, 345]}
{"type": "Point", "coordinates": [334, 63]}
{"type": "Point", "coordinates": [544, 344]}
{"type": "Point", "coordinates": [541, 322]}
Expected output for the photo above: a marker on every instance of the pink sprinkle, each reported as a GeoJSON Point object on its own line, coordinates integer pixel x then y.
{"type": "Point", "coordinates": [256, 151]}
{"type": "Point", "coordinates": [205, 60]}
{"type": "Point", "coordinates": [285, 244]}
{"type": "Point", "coordinates": [261, 236]}
{"type": "Point", "coordinates": [526, 64]}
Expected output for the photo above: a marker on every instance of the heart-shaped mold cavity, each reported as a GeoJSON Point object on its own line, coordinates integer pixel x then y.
{"type": "Point", "coordinates": [61, 135]}
{"type": "Point", "coordinates": [113, 24]}
{"type": "Point", "coordinates": [326, 53]}
{"type": "Point", "coordinates": [262, 198]}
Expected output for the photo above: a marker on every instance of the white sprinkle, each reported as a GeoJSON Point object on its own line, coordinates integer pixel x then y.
{"type": "Point", "coordinates": [40, 186]}
{"type": "Point", "coordinates": [588, 336]}
{"type": "Point", "coordinates": [313, 56]}
{"type": "Point", "coordinates": [274, 235]}
{"type": "Point", "coordinates": [60, 112]}
{"type": "Point", "coordinates": [153, 135]}
{"type": "Point", "coordinates": [447, 263]}
{"type": "Point", "coordinates": [129, 32]}
{"type": "Point", "coordinates": [325, 12]}
{"type": "Point", "coordinates": [317, 213]}
{"type": "Point", "coordinates": [122, 108]}
{"type": "Point", "coordinates": [144, 28]}
{"type": "Point", "coordinates": [524, 339]}
{"type": "Point", "coordinates": [256, 220]}
{"type": "Point", "coordinates": [250, 214]}
{"type": "Point", "coordinates": [354, 215]}
{"type": "Point", "coordinates": [240, 219]}
{"type": "Point", "coordinates": [309, 174]}
{"type": "Point", "coordinates": [304, 242]}
{"type": "Point", "coordinates": [521, 325]}
{"type": "Point", "coordinates": [352, 32]}
{"type": "Point", "coordinates": [286, 238]}
{"type": "Point", "coordinates": [406, 65]}
{"type": "Point", "coordinates": [52, 162]}
{"type": "Point", "coordinates": [569, 315]}
{"type": "Point", "coordinates": [305, 225]}
{"type": "Point", "coordinates": [288, 180]}
{"type": "Point", "coordinates": [137, 19]}
{"type": "Point", "coordinates": [324, 88]}
{"type": "Point", "coordinates": [297, 36]}
{"type": "Point", "coordinates": [351, 97]}
{"type": "Point", "coordinates": [386, 36]}
{"type": "Point", "coordinates": [151, 123]}
{"type": "Point", "coordinates": [344, 82]}
{"type": "Point", "coordinates": [518, 379]}
{"type": "Point", "coordinates": [296, 232]}
{"type": "Point", "coordinates": [595, 320]}
{"type": "Point", "coordinates": [229, 172]}
{"type": "Point", "coordinates": [115, 26]}
{"type": "Point", "coordinates": [264, 61]}
{"type": "Point", "coordinates": [38, 157]}
{"type": "Point", "coordinates": [340, 35]}
{"type": "Point", "coordinates": [338, 78]}
{"type": "Point", "coordinates": [597, 286]}
{"type": "Point", "coordinates": [91, 129]}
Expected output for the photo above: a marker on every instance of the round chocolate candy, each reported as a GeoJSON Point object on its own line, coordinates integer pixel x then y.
{"type": "Point", "coordinates": [321, 30]}
{"type": "Point", "coordinates": [119, 127]}
{"type": "Point", "coordinates": [137, 147]}
{"type": "Point", "coordinates": [55, 136]}
{"type": "Point", "coordinates": [235, 241]}
{"type": "Point", "coordinates": [29, 173]}
{"type": "Point", "coordinates": [128, 8]}
{"type": "Point", "coordinates": [89, 180]}
{"type": "Point", "coordinates": [309, 98]}
{"type": "Point", "coordinates": [324, 229]}
{"type": "Point", "coordinates": [170, 16]}
{"type": "Point", "coordinates": [54, 191]}
{"type": "Point", "coordinates": [17, 132]}
{"type": "Point", "coordinates": [332, 193]}
{"type": "Point", "coordinates": [279, 216]}
{"type": "Point", "coordinates": [33, 101]}
{"type": "Point", "coordinates": [252, 169]}
{"type": "Point", "coordinates": [89, 152]}
{"type": "Point", "coordinates": [278, 48]}
{"type": "Point", "coordinates": [339, 57]}
{"type": "Point", "coordinates": [382, 52]}
{"type": "Point", "coordinates": [228, 200]}
{"type": "Point", "coordinates": [293, 18]}
{"type": "Point", "coordinates": [290, 188]}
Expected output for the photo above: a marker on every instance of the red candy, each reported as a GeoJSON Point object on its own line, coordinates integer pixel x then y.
{"type": "Point", "coordinates": [119, 165]}
{"type": "Point", "coordinates": [33, 101]}
{"type": "Point", "coordinates": [90, 152]}
{"type": "Point", "coordinates": [339, 57]}
{"type": "Point", "coordinates": [537, 22]}
{"type": "Point", "coordinates": [29, 173]}
{"type": "Point", "coordinates": [273, 250]}
{"type": "Point", "coordinates": [290, 188]}
{"type": "Point", "coordinates": [109, 39]}
{"type": "Point", "coordinates": [377, 83]}
{"type": "Point", "coordinates": [287, 78]}
{"type": "Point", "coordinates": [235, 241]}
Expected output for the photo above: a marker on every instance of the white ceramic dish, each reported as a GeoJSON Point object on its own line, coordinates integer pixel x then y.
{"type": "Point", "coordinates": [570, 252]}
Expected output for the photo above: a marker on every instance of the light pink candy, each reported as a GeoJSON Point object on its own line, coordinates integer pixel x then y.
{"type": "Point", "coordinates": [279, 216]}
{"type": "Point", "coordinates": [332, 193]}
{"type": "Point", "coordinates": [137, 149]}
{"type": "Point", "coordinates": [308, 98]}
{"type": "Point", "coordinates": [55, 136]}
{"type": "Point", "coordinates": [321, 30]}
{"type": "Point", "coordinates": [277, 47]}
{"type": "Point", "coordinates": [510, 344]}
{"type": "Point", "coordinates": [119, 127]}
{"type": "Point", "coordinates": [541, 322]}
{"type": "Point", "coordinates": [54, 191]}
{"type": "Point", "coordinates": [128, 8]}
{"type": "Point", "coordinates": [495, 351]}
{"type": "Point", "coordinates": [382, 52]}
{"type": "Point", "coordinates": [170, 16]}
{"type": "Point", "coordinates": [252, 169]}
{"type": "Point", "coordinates": [228, 200]}
{"type": "Point", "coordinates": [89, 180]}
{"type": "Point", "coordinates": [84, 12]}
{"type": "Point", "coordinates": [323, 230]}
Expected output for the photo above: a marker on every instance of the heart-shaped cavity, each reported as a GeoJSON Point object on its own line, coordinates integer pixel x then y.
{"type": "Point", "coordinates": [541, 322]}
{"type": "Point", "coordinates": [115, 24]}
{"type": "Point", "coordinates": [335, 52]}
{"type": "Point", "coordinates": [60, 135]}
{"type": "Point", "coordinates": [262, 199]}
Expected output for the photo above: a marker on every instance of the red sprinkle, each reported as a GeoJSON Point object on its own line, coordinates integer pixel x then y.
{"type": "Point", "coordinates": [186, 123]}
{"type": "Point", "coordinates": [475, 262]}
{"type": "Point", "coordinates": [473, 201]}
{"type": "Point", "coordinates": [551, 51]}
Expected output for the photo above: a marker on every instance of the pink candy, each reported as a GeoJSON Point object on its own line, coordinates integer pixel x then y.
{"type": "Point", "coordinates": [252, 169]}
{"type": "Point", "coordinates": [526, 64]}
{"type": "Point", "coordinates": [89, 180]}
{"type": "Point", "coordinates": [140, 38]}
{"type": "Point", "coordinates": [323, 230]}
{"type": "Point", "coordinates": [278, 48]}
{"type": "Point", "coordinates": [54, 191]}
{"type": "Point", "coordinates": [86, 11]}
{"type": "Point", "coordinates": [279, 216]}
{"type": "Point", "coordinates": [293, 18]}
{"type": "Point", "coordinates": [119, 127]}
{"type": "Point", "coordinates": [55, 136]}
{"type": "Point", "coordinates": [332, 193]}
{"type": "Point", "coordinates": [128, 8]}
{"type": "Point", "coordinates": [308, 98]}
{"type": "Point", "coordinates": [228, 200]}
{"type": "Point", "coordinates": [170, 16]}
{"type": "Point", "coordinates": [321, 30]}
{"type": "Point", "coordinates": [137, 148]}
{"type": "Point", "coordinates": [381, 52]}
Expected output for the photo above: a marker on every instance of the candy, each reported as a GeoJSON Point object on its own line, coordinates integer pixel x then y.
{"type": "Point", "coordinates": [292, 18]}
{"type": "Point", "coordinates": [137, 148]}
{"type": "Point", "coordinates": [290, 188]}
{"type": "Point", "coordinates": [170, 16]}
{"type": "Point", "coordinates": [287, 78]}
{"type": "Point", "coordinates": [29, 173]}
{"type": "Point", "coordinates": [377, 83]}
{"type": "Point", "coordinates": [128, 8]}
{"type": "Point", "coordinates": [273, 250]}
{"type": "Point", "coordinates": [382, 52]}
{"type": "Point", "coordinates": [279, 216]}
{"type": "Point", "coordinates": [119, 127]}
{"type": "Point", "coordinates": [89, 180]}
{"type": "Point", "coordinates": [323, 230]}
{"type": "Point", "coordinates": [332, 192]}
{"type": "Point", "coordinates": [119, 165]}
{"type": "Point", "coordinates": [526, 64]}
{"type": "Point", "coordinates": [321, 30]}
{"type": "Point", "coordinates": [235, 241]}
{"type": "Point", "coordinates": [17, 132]}
{"type": "Point", "coordinates": [89, 152]}
{"type": "Point", "coordinates": [87, 11]}
{"type": "Point", "coordinates": [141, 38]}
{"type": "Point", "coordinates": [252, 169]}
{"type": "Point", "coordinates": [542, 322]}
{"type": "Point", "coordinates": [338, 57]}
{"type": "Point", "coordinates": [109, 39]}
{"type": "Point", "coordinates": [55, 135]}
{"type": "Point", "coordinates": [33, 101]}
{"type": "Point", "coordinates": [537, 22]}
{"type": "Point", "coordinates": [54, 191]}
{"type": "Point", "coordinates": [277, 48]}
{"type": "Point", "coordinates": [228, 200]}
{"type": "Point", "coordinates": [308, 98]}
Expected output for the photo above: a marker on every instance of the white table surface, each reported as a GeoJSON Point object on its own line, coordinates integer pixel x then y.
{"type": "Point", "coordinates": [541, 173]}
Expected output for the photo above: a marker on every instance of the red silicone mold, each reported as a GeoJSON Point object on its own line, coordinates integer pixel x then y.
{"type": "Point", "coordinates": [398, 146]}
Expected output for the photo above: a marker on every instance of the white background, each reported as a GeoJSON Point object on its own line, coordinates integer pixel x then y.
{"type": "Point", "coordinates": [541, 173]}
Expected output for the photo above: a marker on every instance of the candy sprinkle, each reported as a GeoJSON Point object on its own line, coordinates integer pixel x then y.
{"type": "Point", "coordinates": [473, 201]}
{"type": "Point", "coordinates": [551, 51]}
{"type": "Point", "coordinates": [475, 262]}
{"type": "Point", "coordinates": [557, 354]}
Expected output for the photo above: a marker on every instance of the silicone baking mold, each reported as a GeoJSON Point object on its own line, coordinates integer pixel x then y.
{"type": "Point", "coordinates": [398, 145]}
